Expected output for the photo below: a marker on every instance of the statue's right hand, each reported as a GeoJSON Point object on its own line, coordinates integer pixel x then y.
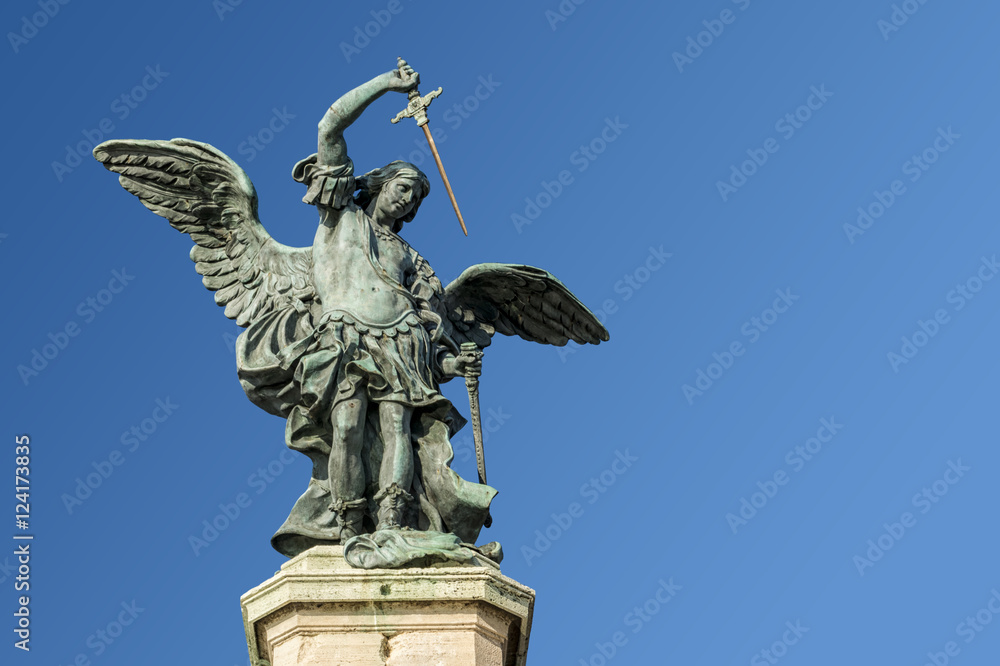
{"type": "Point", "coordinates": [403, 79]}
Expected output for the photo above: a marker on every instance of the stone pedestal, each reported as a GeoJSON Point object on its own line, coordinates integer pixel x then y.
{"type": "Point", "coordinates": [320, 611]}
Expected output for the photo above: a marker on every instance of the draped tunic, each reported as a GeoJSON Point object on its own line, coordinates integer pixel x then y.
{"type": "Point", "coordinates": [373, 328]}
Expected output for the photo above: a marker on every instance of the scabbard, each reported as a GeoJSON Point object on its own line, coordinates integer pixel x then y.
{"type": "Point", "coordinates": [472, 383]}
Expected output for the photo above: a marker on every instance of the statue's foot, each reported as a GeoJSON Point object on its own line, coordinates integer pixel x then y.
{"type": "Point", "coordinates": [350, 515]}
{"type": "Point", "coordinates": [393, 503]}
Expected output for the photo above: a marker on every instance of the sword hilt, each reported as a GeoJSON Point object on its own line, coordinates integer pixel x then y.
{"type": "Point", "coordinates": [471, 348]}
{"type": "Point", "coordinates": [417, 106]}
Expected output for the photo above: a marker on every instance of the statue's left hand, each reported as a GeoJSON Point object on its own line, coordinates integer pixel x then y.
{"type": "Point", "coordinates": [466, 364]}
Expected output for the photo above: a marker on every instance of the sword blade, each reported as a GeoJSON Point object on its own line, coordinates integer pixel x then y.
{"type": "Point", "coordinates": [444, 176]}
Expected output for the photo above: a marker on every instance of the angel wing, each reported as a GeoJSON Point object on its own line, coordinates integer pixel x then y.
{"type": "Point", "coordinates": [517, 300]}
{"type": "Point", "coordinates": [206, 195]}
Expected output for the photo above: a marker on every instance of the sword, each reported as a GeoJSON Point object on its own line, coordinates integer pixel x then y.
{"type": "Point", "coordinates": [472, 384]}
{"type": "Point", "coordinates": [417, 109]}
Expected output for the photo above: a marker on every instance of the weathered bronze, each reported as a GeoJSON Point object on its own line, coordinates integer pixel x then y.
{"type": "Point", "coordinates": [349, 339]}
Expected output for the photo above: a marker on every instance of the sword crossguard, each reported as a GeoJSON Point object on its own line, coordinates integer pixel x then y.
{"type": "Point", "coordinates": [417, 107]}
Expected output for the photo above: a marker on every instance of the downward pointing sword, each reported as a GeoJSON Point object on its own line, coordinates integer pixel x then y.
{"type": "Point", "coordinates": [417, 109]}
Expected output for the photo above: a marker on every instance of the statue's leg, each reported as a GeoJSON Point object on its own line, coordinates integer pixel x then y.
{"type": "Point", "coordinates": [346, 472]}
{"type": "Point", "coordinates": [397, 461]}
{"type": "Point", "coordinates": [396, 473]}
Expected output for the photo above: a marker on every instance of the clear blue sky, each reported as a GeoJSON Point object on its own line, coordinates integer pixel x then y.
{"type": "Point", "coordinates": [785, 211]}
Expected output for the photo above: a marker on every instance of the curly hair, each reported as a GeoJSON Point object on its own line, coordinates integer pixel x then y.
{"type": "Point", "coordinates": [370, 184]}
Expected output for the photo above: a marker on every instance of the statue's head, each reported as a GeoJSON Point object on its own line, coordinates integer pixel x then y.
{"type": "Point", "coordinates": [397, 189]}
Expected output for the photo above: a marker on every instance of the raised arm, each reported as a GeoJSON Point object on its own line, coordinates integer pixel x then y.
{"type": "Point", "coordinates": [332, 149]}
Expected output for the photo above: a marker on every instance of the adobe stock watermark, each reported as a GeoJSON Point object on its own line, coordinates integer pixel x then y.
{"type": "Point", "coordinates": [779, 648]}
{"type": "Point", "coordinates": [787, 126]}
{"type": "Point", "coordinates": [713, 30]}
{"type": "Point", "coordinates": [455, 116]}
{"type": "Point", "coordinates": [627, 286]}
{"type": "Point", "coordinates": [229, 340]}
{"type": "Point", "coordinates": [464, 446]}
{"type": "Point", "coordinates": [223, 7]}
{"type": "Point", "coordinates": [7, 570]}
{"type": "Point", "coordinates": [258, 141]}
{"type": "Point", "coordinates": [968, 630]}
{"type": "Point", "coordinates": [562, 12]}
{"type": "Point", "coordinates": [104, 637]}
{"type": "Point", "coordinates": [364, 34]}
{"type": "Point", "coordinates": [752, 329]}
{"type": "Point", "coordinates": [796, 459]}
{"type": "Point", "coordinates": [38, 20]}
{"type": "Point", "coordinates": [122, 107]}
{"type": "Point", "coordinates": [914, 168]}
{"type": "Point", "coordinates": [900, 14]}
{"type": "Point", "coordinates": [958, 297]}
{"type": "Point", "coordinates": [636, 619]}
{"type": "Point", "coordinates": [131, 440]}
{"type": "Point", "coordinates": [591, 491]}
{"type": "Point", "coordinates": [924, 500]}
{"type": "Point", "coordinates": [581, 158]}
{"type": "Point", "coordinates": [87, 311]}
{"type": "Point", "coordinates": [229, 512]}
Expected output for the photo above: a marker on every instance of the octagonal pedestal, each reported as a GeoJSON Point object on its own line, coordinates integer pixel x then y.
{"type": "Point", "coordinates": [320, 611]}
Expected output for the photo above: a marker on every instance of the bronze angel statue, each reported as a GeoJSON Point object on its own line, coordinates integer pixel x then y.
{"type": "Point", "coordinates": [349, 339]}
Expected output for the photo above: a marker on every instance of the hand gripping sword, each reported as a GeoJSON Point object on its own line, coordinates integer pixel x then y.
{"type": "Point", "coordinates": [417, 109]}
{"type": "Point", "coordinates": [472, 384]}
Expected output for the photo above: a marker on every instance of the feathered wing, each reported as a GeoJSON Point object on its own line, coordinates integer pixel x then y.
{"type": "Point", "coordinates": [517, 300]}
{"type": "Point", "coordinates": [206, 195]}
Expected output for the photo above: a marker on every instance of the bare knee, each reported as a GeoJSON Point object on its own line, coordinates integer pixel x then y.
{"type": "Point", "coordinates": [393, 416]}
{"type": "Point", "coordinates": [348, 420]}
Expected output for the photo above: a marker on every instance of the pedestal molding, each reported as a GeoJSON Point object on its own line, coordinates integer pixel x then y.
{"type": "Point", "coordinates": [414, 614]}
